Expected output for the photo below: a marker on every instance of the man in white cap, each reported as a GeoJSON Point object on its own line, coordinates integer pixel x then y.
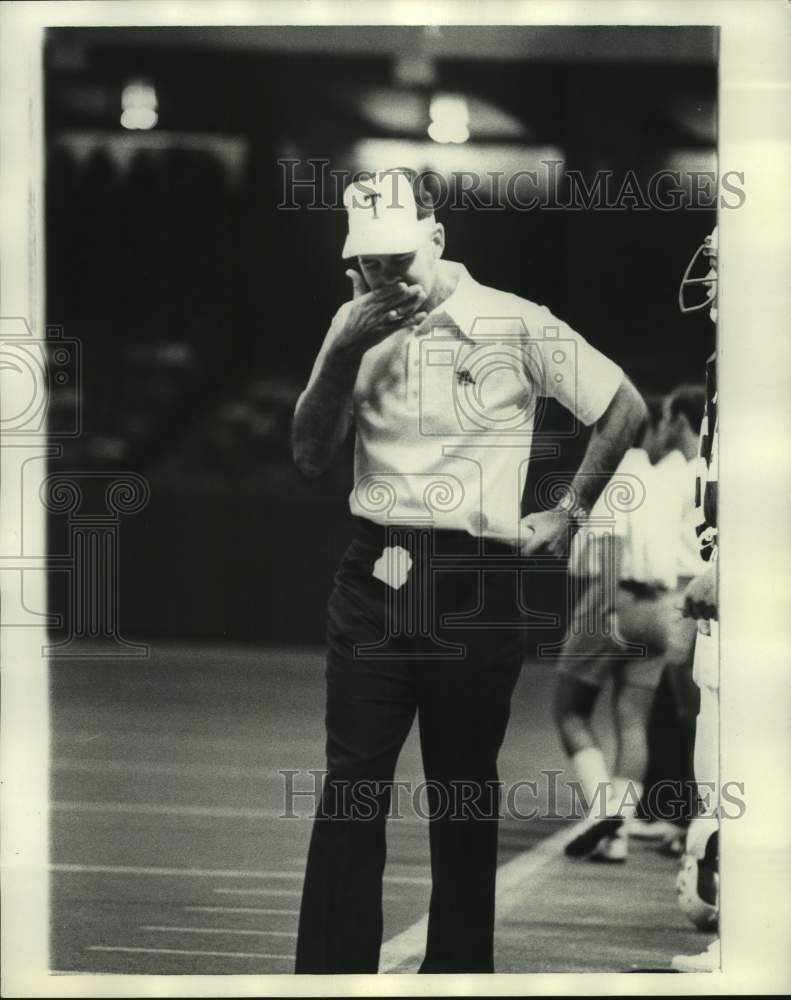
{"type": "Point", "coordinates": [440, 377]}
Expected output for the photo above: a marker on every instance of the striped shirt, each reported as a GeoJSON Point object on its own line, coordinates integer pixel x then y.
{"type": "Point", "coordinates": [708, 458]}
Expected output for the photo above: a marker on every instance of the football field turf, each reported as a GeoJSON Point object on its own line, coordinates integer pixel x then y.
{"type": "Point", "coordinates": [170, 852]}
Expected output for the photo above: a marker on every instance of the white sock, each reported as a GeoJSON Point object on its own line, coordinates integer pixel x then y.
{"type": "Point", "coordinates": [591, 772]}
{"type": "Point", "coordinates": [624, 797]}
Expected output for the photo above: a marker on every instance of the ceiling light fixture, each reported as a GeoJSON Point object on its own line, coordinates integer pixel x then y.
{"type": "Point", "coordinates": [450, 118]}
{"type": "Point", "coordinates": [139, 105]}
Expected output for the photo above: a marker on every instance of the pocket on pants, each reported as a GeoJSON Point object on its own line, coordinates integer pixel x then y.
{"type": "Point", "coordinates": [355, 605]}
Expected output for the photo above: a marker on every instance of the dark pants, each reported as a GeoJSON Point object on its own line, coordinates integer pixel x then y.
{"type": "Point", "coordinates": [410, 665]}
{"type": "Point", "coordinates": [669, 784]}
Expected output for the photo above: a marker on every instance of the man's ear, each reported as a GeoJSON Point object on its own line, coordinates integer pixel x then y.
{"type": "Point", "coordinates": [438, 240]}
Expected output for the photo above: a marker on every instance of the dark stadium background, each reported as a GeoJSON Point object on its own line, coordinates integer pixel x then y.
{"type": "Point", "coordinates": [199, 305]}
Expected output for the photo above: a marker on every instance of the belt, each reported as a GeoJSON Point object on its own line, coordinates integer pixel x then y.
{"type": "Point", "coordinates": [443, 541]}
{"type": "Point", "coordinates": [643, 590]}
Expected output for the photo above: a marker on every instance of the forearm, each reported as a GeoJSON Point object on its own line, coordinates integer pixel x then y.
{"type": "Point", "coordinates": [321, 420]}
{"type": "Point", "coordinates": [613, 434]}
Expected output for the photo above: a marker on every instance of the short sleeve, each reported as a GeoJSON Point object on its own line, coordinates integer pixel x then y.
{"type": "Point", "coordinates": [566, 367]}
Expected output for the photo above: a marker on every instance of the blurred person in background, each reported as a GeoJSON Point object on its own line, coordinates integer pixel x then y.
{"type": "Point", "coordinates": [636, 600]}
{"type": "Point", "coordinates": [429, 485]}
{"type": "Point", "coordinates": [680, 431]}
{"type": "Point", "coordinates": [593, 653]}
{"type": "Point", "coordinates": [677, 437]}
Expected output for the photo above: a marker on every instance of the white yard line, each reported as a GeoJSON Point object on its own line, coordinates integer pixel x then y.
{"type": "Point", "coordinates": [513, 877]}
{"type": "Point", "coordinates": [388, 880]}
{"type": "Point", "coordinates": [207, 812]}
{"type": "Point", "coordinates": [407, 947]}
{"type": "Point", "coordinates": [171, 809]}
{"type": "Point", "coordinates": [241, 892]}
{"type": "Point", "coordinates": [293, 893]}
{"type": "Point", "coordinates": [215, 930]}
{"type": "Point", "coordinates": [186, 951]}
{"type": "Point", "coordinates": [257, 771]}
{"type": "Point", "coordinates": [188, 872]}
{"type": "Point", "coordinates": [240, 909]}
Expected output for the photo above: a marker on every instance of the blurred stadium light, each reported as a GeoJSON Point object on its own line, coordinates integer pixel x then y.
{"type": "Point", "coordinates": [139, 105]}
{"type": "Point", "coordinates": [450, 118]}
{"type": "Point", "coordinates": [408, 111]}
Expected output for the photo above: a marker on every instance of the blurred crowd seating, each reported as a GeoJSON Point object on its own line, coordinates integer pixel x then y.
{"type": "Point", "coordinates": [145, 273]}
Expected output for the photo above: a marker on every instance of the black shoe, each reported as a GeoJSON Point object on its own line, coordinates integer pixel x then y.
{"type": "Point", "coordinates": [583, 844]}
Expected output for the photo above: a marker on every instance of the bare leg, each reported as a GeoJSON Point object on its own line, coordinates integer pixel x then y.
{"type": "Point", "coordinates": [573, 710]}
{"type": "Point", "coordinates": [632, 709]}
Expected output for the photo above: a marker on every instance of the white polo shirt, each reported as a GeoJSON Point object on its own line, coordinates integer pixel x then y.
{"type": "Point", "coordinates": [444, 413]}
{"type": "Point", "coordinates": [660, 544]}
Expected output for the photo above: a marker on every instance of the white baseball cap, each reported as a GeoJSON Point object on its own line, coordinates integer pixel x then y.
{"type": "Point", "coordinates": [383, 216]}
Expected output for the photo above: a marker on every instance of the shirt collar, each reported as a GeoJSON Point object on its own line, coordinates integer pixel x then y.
{"type": "Point", "coordinates": [461, 306]}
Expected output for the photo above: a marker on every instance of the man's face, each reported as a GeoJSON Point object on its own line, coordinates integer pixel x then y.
{"type": "Point", "coordinates": [417, 268]}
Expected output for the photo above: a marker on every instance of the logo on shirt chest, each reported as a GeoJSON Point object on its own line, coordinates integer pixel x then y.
{"type": "Point", "coordinates": [469, 388]}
